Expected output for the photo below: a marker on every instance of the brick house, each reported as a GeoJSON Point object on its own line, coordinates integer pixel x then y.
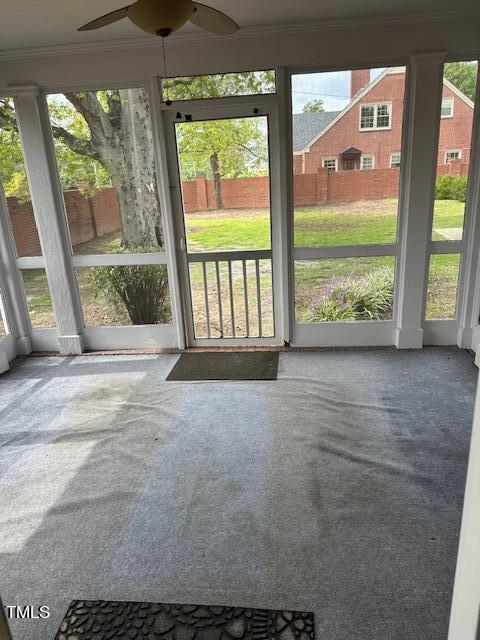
{"type": "Point", "coordinates": [367, 133]}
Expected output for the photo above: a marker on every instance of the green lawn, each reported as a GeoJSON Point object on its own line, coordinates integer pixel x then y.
{"type": "Point", "coordinates": [313, 226]}
{"type": "Point", "coordinates": [352, 223]}
{"type": "Point", "coordinates": [448, 214]}
{"type": "Point", "coordinates": [356, 223]}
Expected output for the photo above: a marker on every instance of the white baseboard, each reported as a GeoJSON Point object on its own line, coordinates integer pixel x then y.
{"type": "Point", "coordinates": [408, 338]}
{"type": "Point", "coordinates": [24, 345]}
{"type": "Point", "coordinates": [70, 345]}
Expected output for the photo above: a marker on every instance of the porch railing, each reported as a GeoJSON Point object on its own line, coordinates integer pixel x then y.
{"type": "Point", "coordinates": [232, 294]}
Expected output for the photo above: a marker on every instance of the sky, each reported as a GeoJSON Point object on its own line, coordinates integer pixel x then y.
{"type": "Point", "coordinates": [333, 87]}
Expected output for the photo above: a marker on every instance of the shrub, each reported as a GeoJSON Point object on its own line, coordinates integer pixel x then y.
{"type": "Point", "coordinates": [141, 289]}
{"type": "Point", "coordinates": [368, 297]}
{"type": "Point", "coordinates": [460, 190]}
{"type": "Point", "coordinates": [451, 188]}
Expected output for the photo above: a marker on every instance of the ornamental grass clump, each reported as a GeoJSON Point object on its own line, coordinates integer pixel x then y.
{"type": "Point", "coordinates": [368, 297]}
{"type": "Point", "coordinates": [140, 289]}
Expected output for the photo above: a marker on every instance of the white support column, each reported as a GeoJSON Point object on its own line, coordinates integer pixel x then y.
{"type": "Point", "coordinates": [469, 302]}
{"type": "Point", "coordinates": [419, 162]}
{"type": "Point", "coordinates": [166, 209]}
{"type": "Point", "coordinates": [284, 91]}
{"type": "Point", "coordinates": [49, 209]}
{"type": "Point", "coordinates": [465, 612]}
{"type": "Point", "coordinates": [11, 284]}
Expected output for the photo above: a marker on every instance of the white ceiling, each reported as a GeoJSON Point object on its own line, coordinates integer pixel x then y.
{"type": "Point", "coordinates": [38, 23]}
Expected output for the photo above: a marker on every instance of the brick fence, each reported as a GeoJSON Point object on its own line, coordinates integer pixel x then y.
{"type": "Point", "coordinates": [88, 218]}
{"type": "Point", "coordinates": [92, 217]}
{"type": "Point", "coordinates": [309, 188]}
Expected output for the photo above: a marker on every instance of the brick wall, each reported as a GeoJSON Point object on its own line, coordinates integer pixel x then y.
{"type": "Point", "coordinates": [105, 211]}
{"type": "Point", "coordinates": [89, 218]}
{"type": "Point", "coordinates": [237, 193]}
{"type": "Point", "coordinates": [309, 189]}
{"type": "Point", "coordinates": [454, 168]}
{"type": "Point", "coordinates": [246, 193]}
{"type": "Point", "coordinates": [349, 186]}
{"type": "Point", "coordinates": [24, 228]}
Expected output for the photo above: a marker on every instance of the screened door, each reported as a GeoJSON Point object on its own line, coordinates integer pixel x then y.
{"type": "Point", "coordinates": [224, 227]}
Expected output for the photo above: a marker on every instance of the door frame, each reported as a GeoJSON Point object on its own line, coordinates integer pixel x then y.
{"type": "Point", "coordinates": [229, 108]}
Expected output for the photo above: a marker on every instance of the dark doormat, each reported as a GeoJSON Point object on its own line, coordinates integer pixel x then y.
{"type": "Point", "coordinates": [101, 620]}
{"type": "Point", "coordinates": [247, 365]}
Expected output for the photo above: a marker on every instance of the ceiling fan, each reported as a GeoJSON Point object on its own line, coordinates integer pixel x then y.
{"type": "Point", "coordinates": [162, 17]}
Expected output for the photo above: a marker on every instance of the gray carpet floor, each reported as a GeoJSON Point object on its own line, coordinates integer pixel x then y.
{"type": "Point", "coordinates": [336, 488]}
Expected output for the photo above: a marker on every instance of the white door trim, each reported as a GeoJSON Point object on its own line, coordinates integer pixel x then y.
{"type": "Point", "coordinates": [253, 107]}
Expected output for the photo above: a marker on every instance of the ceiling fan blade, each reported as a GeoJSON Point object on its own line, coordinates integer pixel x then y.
{"type": "Point", "coordinates": [213, 20]}
{"type": "Point", "coordinates": [103, 21]}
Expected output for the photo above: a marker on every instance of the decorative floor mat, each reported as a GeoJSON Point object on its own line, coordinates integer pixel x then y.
{"type": "Point", "coordinates": [248, 365]}
{"type": "Point", "coordinates": [102, 620]}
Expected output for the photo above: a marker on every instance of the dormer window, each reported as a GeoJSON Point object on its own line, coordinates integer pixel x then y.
{"type": "Point", "coordinates": [375, 116]}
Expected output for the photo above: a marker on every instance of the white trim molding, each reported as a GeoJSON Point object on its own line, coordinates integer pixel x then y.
{"type": "Point", "coordinates": [368, 333]}
{"type": "Point", "coordinates": [398, 163]}
{"type": "Point", "coordinates": [369, 156]}
{"type": "Point", "coordinates": [457, 152]}
{"type": "Point", "coordinates": [134, 337]}
{"type": "Point", "coordinates": [468, 307]}
{"type": "Point", "coordinates": [464, 615]}
{"type": "Point", "coordinates": [417, 193]}
{"type": "Point", "coordinates": [330, 159]}
{"type": "Point", "coordinates": [376, 116]}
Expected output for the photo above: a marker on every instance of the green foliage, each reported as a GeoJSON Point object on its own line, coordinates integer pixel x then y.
{"type": "Point", "coordinates": [332, 310]}
{"type": "Point", "coordinates": [219, 85]}
{"type": "Point", "coordinates": [12, 170]}
{"type": "Point", "coordinates": [368, 297]}
{"type": "Point", "coordinates": [239, 144]}
{"type": "Point", "coordinates": [314, 106]}
{"type": "Point", "coordinates": [17, 186]}
{"type": "Point", "coordinates": [141, 289]}
{"type": "Point", "coordinates": [463, 75]}
{"type": "Point", "coordinates": [451, 188]}
{"type": "Point", "coordinates": [77, 171]}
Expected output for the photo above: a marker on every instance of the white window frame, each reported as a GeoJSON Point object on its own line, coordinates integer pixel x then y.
{"type": "Point", "coordinates": [369, 156]}
{"type": "Point", "coordinates": [451, 100]}
{"type": "Point", "coordinates": [399, 154]}
{"type": "Point", "coordinates": [329, 159]}
{"type": "Point", "coordinates": [459, 151]}
{"type": "Point", "coordinates": [375, 105]}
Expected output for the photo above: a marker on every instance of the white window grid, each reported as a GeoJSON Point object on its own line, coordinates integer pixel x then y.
{"type": "Point", "coordinates": [367, 162]}
{"type": "Point", "coordinates": [330, 164]}
{"type": "Point", "coordinates": [447, 107]}
{"type": "Point", "coordinates": [375, 116]}
{"type": "Point", "coordinates": [395, 160]}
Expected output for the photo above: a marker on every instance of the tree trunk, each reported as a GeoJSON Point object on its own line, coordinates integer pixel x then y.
{"type": "Point", "coordinates": [217, 179]}
{"type": "Point", "coordinates": [127, 155]}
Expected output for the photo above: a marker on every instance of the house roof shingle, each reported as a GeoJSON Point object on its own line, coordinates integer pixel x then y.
{"type": "Point", "coordinates": [306, 126]}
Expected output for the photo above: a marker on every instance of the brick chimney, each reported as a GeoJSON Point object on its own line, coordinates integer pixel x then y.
{"type": "Point", "coordinates": [358, 80]}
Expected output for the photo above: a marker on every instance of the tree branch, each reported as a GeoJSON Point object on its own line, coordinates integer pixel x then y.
{"type": "Point", "coordinates": [251, 151]}
{"type": "Point", "coordinates": [90, 108]}
{"type": "Point", "coordinates": [78, 145]}
{"type": "Point", "coordinates": [114, 107]}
